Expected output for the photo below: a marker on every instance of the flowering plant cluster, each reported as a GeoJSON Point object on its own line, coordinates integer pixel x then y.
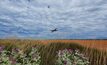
{"type": "Point", "coordinates": [71, 57]}
{"type": "Point", "coordinates": [16, 56]}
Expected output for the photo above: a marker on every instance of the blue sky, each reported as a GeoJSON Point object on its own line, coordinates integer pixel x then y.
{"type": "Point", "coordinates": [75, 19]}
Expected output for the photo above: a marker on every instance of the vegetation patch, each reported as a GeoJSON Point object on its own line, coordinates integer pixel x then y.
{"type": "Point", "coordinates": [28, 52]}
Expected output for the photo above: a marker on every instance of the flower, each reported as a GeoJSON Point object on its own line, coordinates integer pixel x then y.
{"type": "Point", "coordinates": [2, 48]}
{"type": "Point", "coordinates": [15, 50]}
{"type": "Point", "coordinates": [65, 62]}
{"type": "Point", "coordinates": [70, 50]}
{"type": "Point", "coordinates": [13, 61]}
{"type": "Point", "coordinates": [71, 57]}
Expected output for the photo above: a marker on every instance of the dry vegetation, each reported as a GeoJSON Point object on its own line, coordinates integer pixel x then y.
{"type": "Point", "coordinates": [99, 44]}
{"type": "Point", "coordinates": [96, 50]}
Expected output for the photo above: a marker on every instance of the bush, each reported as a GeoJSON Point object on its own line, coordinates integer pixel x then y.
{"type": "Point", "coordinates": [16, 56]}
{"type": "Point", "coordinates": [71, 57]}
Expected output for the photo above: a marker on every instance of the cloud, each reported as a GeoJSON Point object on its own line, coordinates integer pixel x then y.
{"type": "Point", "coordinates": [77, 19]}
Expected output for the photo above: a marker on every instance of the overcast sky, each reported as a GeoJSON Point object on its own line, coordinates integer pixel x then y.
{"type": "Point", "coordinates": [75, 19]}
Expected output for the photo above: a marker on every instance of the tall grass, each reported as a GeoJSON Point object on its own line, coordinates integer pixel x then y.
{"type": "Point", "coordinates": [96, 57]}
{"type": "Point", "coordinates": [48, 51]}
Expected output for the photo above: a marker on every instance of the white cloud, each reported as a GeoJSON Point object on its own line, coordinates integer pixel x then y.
{"type": "Point", "coordinates": [73, 18]}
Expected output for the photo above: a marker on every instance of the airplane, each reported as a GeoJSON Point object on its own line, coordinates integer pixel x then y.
{"type": "Point", "coordinates": [29, 0]}
{"type": "Point", "coordinates": [48, 6]}
{"type": "Point", "coordinates": [54, 30]}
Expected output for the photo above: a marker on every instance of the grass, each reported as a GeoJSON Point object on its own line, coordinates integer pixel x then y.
{"type": "Point", "coordinates": [48, 51]}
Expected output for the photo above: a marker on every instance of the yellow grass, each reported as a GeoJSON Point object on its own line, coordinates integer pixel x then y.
{"type": "Point", "coordinates": [97, 44]}
{"type": "Point", "coordinates": [96, 50]}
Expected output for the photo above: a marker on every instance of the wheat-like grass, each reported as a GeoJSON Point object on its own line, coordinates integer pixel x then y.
{"type": "Point", "coordinates": [96, 50]}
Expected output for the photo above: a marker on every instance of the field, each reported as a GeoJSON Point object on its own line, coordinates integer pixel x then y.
{"type": "Point", "coordinates": [98, 44]}
{"type": "Point", "coordinates": [96, 50]}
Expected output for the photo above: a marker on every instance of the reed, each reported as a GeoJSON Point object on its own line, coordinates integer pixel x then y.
{"type": "Point", "coordinates": [48, 51]}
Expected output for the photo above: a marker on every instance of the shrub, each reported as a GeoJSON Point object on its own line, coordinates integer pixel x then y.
{"type": "Point", "coordinates": [71, 57]}
{"type": "Point", "coordinates": [16, 56]}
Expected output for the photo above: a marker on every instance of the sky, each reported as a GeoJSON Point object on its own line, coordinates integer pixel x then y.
{"type": "Point", "coordinates": [74, 19]}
